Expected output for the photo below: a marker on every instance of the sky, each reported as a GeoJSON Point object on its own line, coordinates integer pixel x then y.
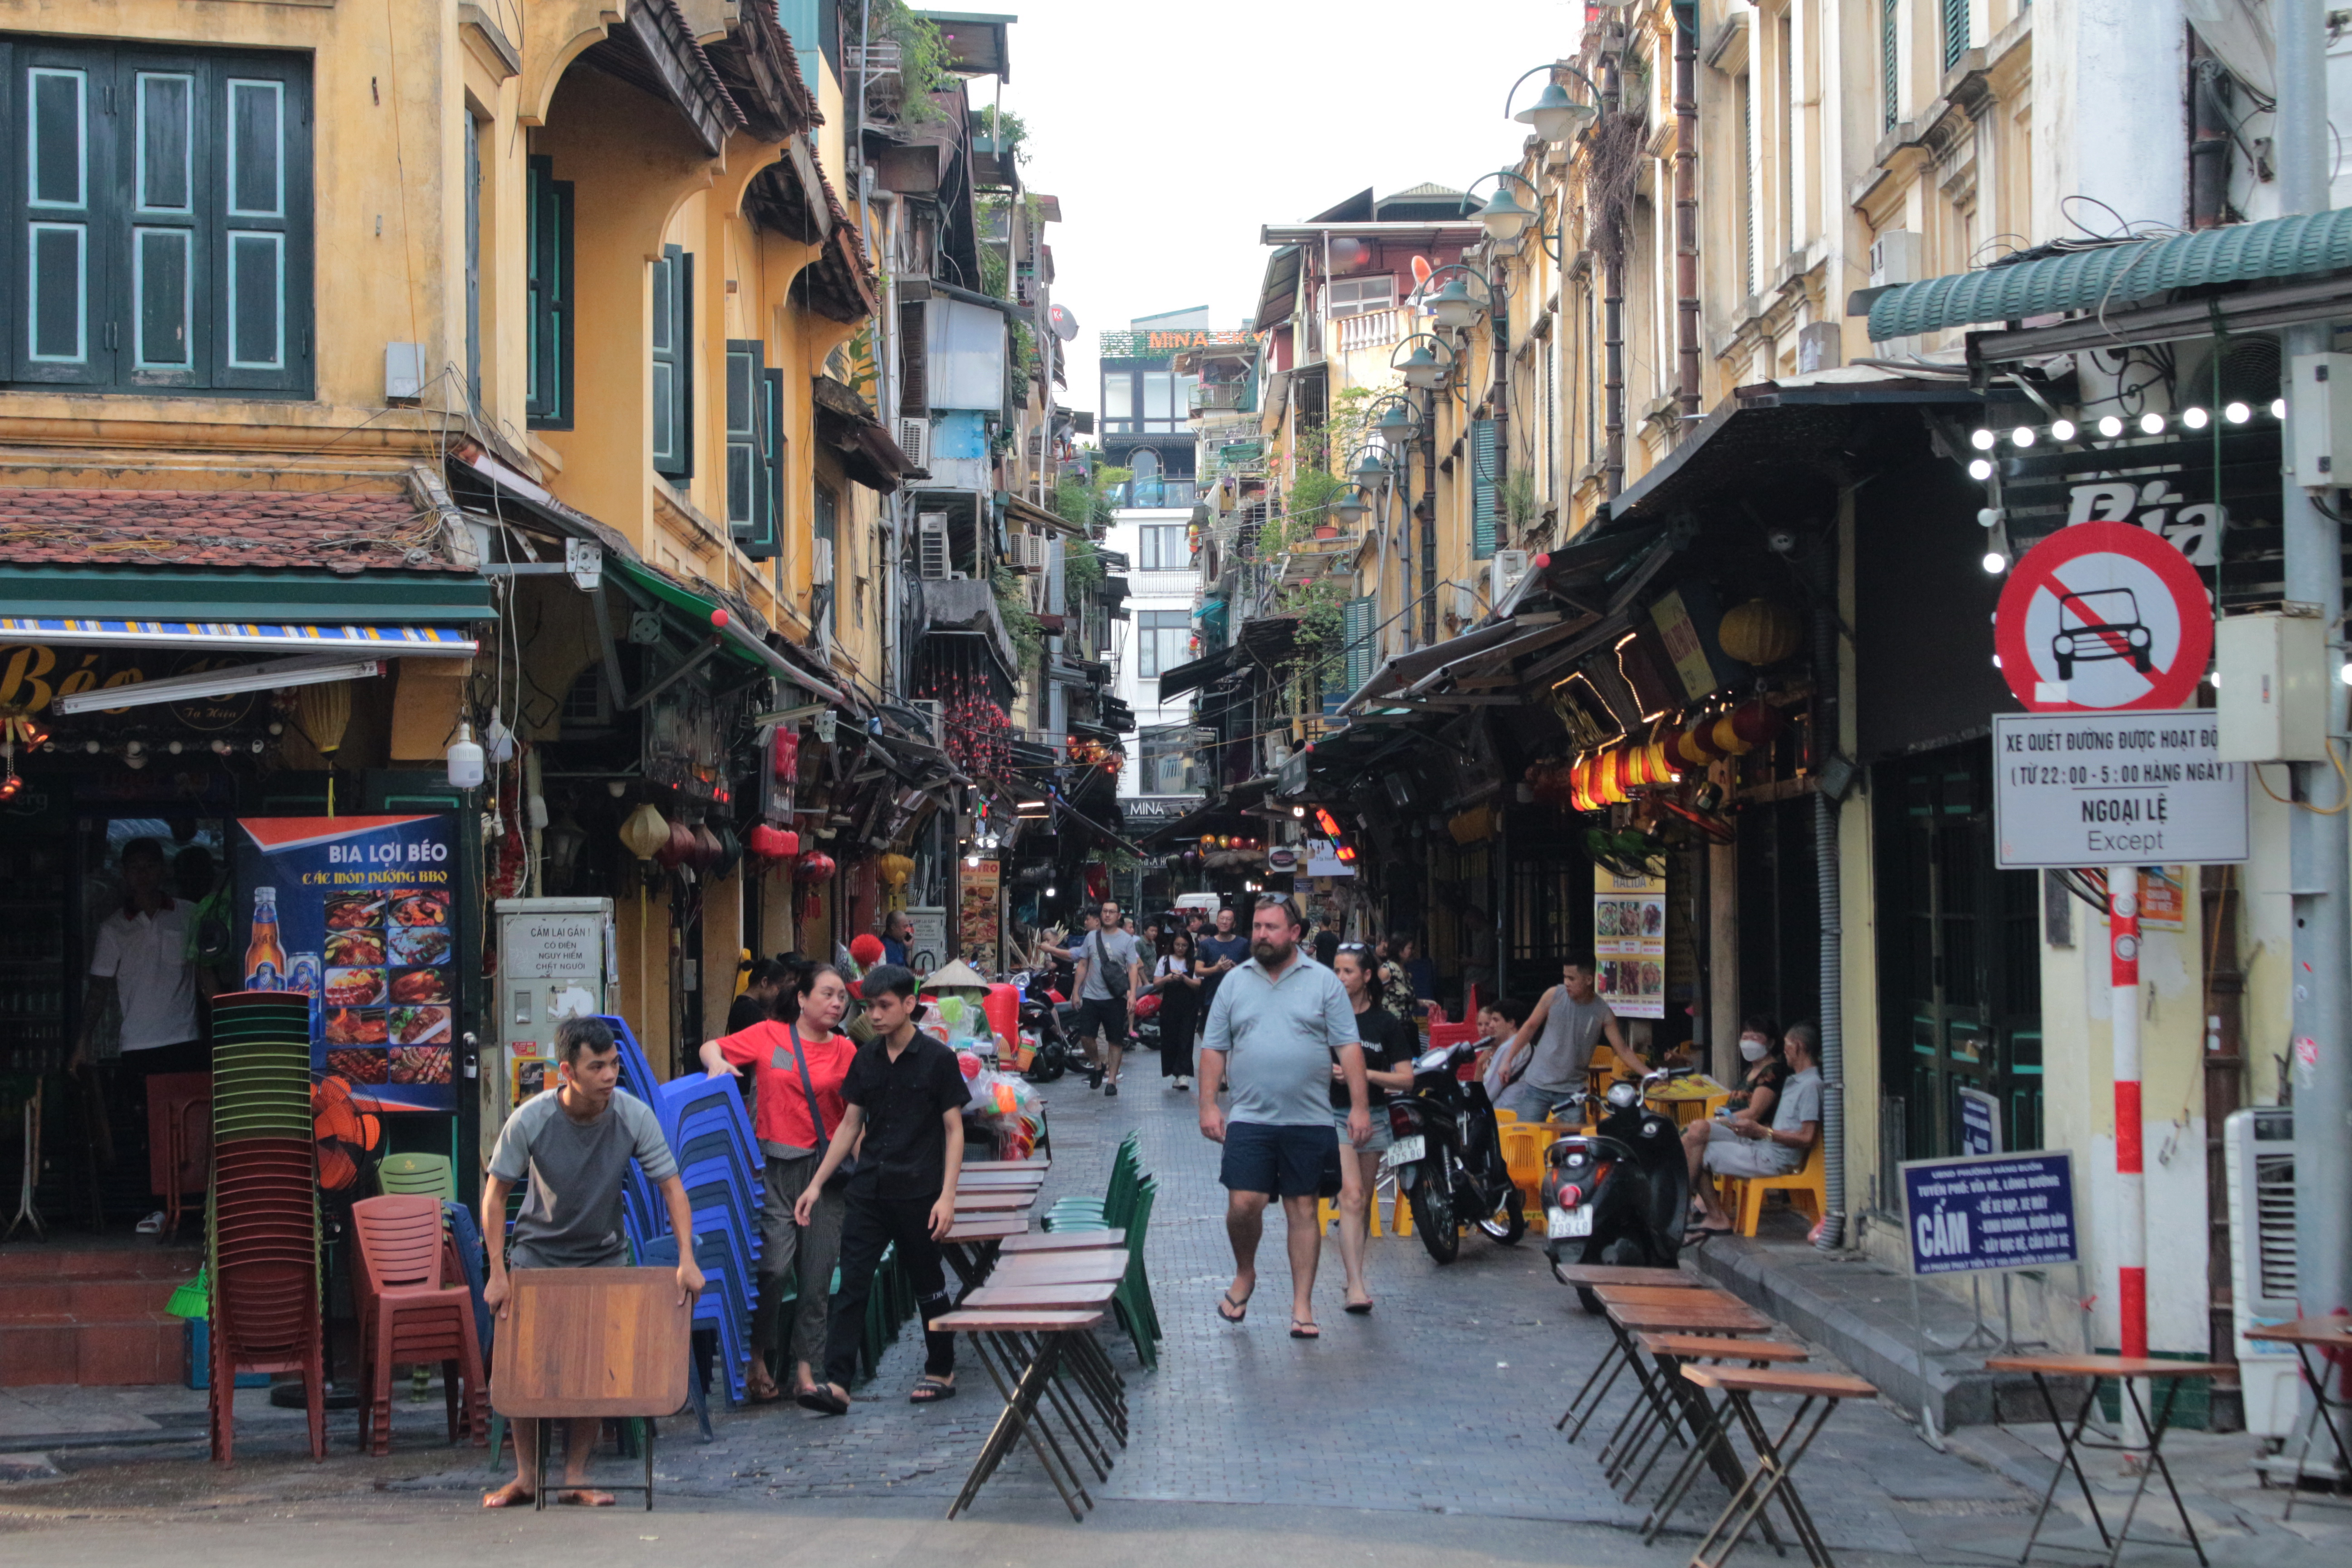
{"type": "Point", "coordinates": [1171, 132]}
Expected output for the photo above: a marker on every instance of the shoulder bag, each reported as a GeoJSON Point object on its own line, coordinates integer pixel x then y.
{"type": "Point", "coordinates": [847, 1168]}
{"type": "Point", "coordinates": [1114, 978]}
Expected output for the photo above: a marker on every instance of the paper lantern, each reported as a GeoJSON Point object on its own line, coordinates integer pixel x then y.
{"type": "Point", "coordinates": [785, 754]}
{"type": "Point", "coordinates": [645, 833]}
{"type": "Point", "coordinates": [1761, 632]}
{"type": "Point", "coordinates": [1683, 747]}
{"type": "Point", "coordinates": [895, 870]}
{"type": "Point", "coordinates": [769, 845]}
{"type": "Point", "coordinates": [1661, 764]}
{"type": "Point", "coordinates": [1726, 738]}
{"type": "Point", "coordinates": [817, 865]}
{"type": "Point", "coordinates": [324, 711]}
{"type": "Point", "coordinates": [1757, 722]}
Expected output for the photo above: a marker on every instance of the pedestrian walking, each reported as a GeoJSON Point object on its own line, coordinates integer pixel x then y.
{"type": "Point", "coordinates": [797, 1069]}
{"type": "Point", "coordinates": [1110, 971]}
{"type": "Point", "coordinates": [1388, 1046]}
{"type": "Point", "coordinates": [903, 1096]}
{"type": "Point", "coordinates": [574, 1143]}
{"type": "Point", "coordinates": [1216, 955]}
{"type": "Point", "coordinates": [757, 1003]}
{"type": "Point", "coordinates": [1569, 1020]}
{"type": "Point", "coordinates": [1278, 1023]}
{"type": "Point", "coordinates": [1179, 989]}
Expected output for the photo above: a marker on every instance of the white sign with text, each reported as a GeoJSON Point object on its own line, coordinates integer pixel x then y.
{"type": "Point", "coordinates": [2100, 789]}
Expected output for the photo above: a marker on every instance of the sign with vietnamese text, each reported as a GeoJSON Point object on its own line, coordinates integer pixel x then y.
{"type": "Point", "coordinates": [1979, 1123]}
{"type": "Point", "coordinates": [928, 947]}
{"type": "Point", "coordinates": [1990, 1212]}
{"type": "Point", "coordinates": [2088, 789]}
{"type": "Point", "coordinates": [359, 913]}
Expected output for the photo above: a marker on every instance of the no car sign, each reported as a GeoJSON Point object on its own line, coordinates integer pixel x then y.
{"type": "Point", "coordinates": [2101, 617]}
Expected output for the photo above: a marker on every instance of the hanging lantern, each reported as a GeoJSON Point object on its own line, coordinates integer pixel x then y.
{"type": "Point", "coordinates": [895, 870]}
{"type": "Point", "coordinates": [1682, 746]}
{"type": "Point", "coordinates": [1727, 739]}
{"type": "Point", "coordinates": [324, 711]}
{"type": "Point", "coordinates": [678, 849]}
{"type": "Point", "coordinates": [707, 850]}
{"type": "Point", "coordinates": [785, 754]}
{"type": "Point", "coordinates": [1579, 785]}
{"type": "Point", "coordinates": [1660, 766]}
{"type": "Point", "coordinates": [1757, 722]}
{"type": "Point", "coordinates": [1761, 632]}
{"type": "Point", "coordinates": [817, 865]}
{"type": "Point", "coordinates": [645, 833]}
{"type": "Point", "coordinates": [769, 845]}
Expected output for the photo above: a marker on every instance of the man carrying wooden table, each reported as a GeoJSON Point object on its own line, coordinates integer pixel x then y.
{"type": "Point", "coordinates": [575, 1142]}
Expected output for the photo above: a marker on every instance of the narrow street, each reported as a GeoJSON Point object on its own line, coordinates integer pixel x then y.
{"type": "Point", "coordinates": [1382, 1443]}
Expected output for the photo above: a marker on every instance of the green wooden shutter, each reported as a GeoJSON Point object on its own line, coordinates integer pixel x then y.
{"type": "Point", "coordinates": [1356, 626]}
{"type": "Point", "coordinates": [1956, 31]}
{"type": "Point", "coordinates": [548, 203]}
{"type": "Point", "coordinates": [746, 358]}
{"type": "Point", "coordinates": [164, 339]}
{"type": "Point", "coordinates": [61, 136]}
{"type": "Point", "coordinates": [1485, 489]}
{"type": "Point", "coordinates": [473, 262]}
{"type": "Point", "coordinates": [261, 147]}
{"type": "Point", "coordinates": [673, 362]}
{"type": "Point", "coordinates": [1889, 78]}
{"type": "Point", "coordinates": [764, 539]}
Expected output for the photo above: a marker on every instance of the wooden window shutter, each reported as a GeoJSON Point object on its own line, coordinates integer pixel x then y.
{"type": "Point", "coordinates": [1485, 489]}
{"type": "Point", "coordinates": [764, 539]}
{"type": "Point", "coordinates": [672, 363]}
{"type": "Point", "coordinates": [746, 358]}
{"type": "Point", "coordinates": [548, 259]}
{"type": "Point", "coordinates": [914, 388]}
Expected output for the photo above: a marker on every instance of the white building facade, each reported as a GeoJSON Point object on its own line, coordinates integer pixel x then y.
{"type": "Point", "coordinates": [1161, 777]}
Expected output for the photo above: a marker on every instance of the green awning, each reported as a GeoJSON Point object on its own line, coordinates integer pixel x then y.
{"type": "Point", "coordinates": [740, 644]}
{"type": "Point", "coordinates": [212, 594]}
{"type": "Point", "coordinates": [2111, 275]}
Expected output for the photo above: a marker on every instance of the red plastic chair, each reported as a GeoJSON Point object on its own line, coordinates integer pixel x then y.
{"type": "Point", "coordinates": [179, 1140]}
{"type": "Point", "coordinates": [1444, 1035]}
{"type": "Point", "coordinates": [407, 1315]}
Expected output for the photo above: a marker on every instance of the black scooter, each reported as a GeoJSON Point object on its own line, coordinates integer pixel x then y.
{"type": "Point", "coordinates": [1448, 1157]}
{"type": "Point", "coordinates": [1041, 1015]}
{"type": "Point", "coordinates": [1620, 1193]}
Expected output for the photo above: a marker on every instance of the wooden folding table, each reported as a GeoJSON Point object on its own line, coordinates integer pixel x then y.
{"type": "Point", "coordinates": [579, 1342]}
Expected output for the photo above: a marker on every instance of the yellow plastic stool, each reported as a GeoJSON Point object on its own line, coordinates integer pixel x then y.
{"type": "Point", "coordinates": [1327, 1209]}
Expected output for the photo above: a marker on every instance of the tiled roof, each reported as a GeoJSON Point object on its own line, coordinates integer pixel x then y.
{"type": "Point", "coordinates": [245, 528]}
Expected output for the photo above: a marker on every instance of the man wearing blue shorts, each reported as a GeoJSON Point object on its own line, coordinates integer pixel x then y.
{"type": "Point", "coordinates": [1278, 1023]}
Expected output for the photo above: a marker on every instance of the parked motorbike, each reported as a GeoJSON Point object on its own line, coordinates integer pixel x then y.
{"type": "Point", "coordinates": [1448, 1157]}
{"type": "Point", "coordinates": [1042, 1014]}
{"type": "Point", "coordinates": [1619, 1195]}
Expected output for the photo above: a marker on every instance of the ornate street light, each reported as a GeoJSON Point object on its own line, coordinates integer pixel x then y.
{"type": "Point", "coordinates": [1421, 367]}
{"type": "Point", "coordinates": [1397, 423]}
{"type": "Point", "coordinates": [1453, 305]}
{"type": "Point", "coordinates": [1555, 116]}
{"type": "Point", "coordinates": [1502, 217]}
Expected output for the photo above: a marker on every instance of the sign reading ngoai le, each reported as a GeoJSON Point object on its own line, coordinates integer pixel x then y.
{"type": "Point", "coordinates": [2109, 789]}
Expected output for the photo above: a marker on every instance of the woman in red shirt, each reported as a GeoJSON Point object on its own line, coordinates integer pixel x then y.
{"type": "Point", "coordinates": [793, 1064]}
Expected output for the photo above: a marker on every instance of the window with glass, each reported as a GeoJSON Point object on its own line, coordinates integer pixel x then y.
{"type": "Point", "coordinates": [1163, 547]}
{"type": "Point", "coordinates": [1119, 402]}
{"type": "Point", "coordinates": [160, 215]}
{"type": "Point", "coordinates": [1169, 762]}
{"type": "Point", "coordinates": [1163, 639]}
{"type": "Point", "coordinates": [1356, 296]}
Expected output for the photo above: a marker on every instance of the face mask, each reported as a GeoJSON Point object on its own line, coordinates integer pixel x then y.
{"type": "Point", "coordinates": [1751, 1049]}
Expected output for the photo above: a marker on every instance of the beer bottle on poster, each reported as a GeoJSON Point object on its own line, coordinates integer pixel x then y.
{"type": "Point", "coordinates": [265, 956]}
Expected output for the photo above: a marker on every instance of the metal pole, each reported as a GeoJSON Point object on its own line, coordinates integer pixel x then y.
{"type": "Point", "coordinates": [2131, 1190]}
{"type": "Point", "coordinates": [2319, 847]}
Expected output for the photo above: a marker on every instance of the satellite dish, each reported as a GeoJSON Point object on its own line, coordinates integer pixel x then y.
{"type": "Point", "coordinates": [1065, 325]}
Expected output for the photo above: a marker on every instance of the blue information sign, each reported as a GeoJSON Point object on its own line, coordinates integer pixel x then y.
{"type": "Point", "coordinates": [1980, 1120]}
{"type": "Point", "coordinates": [1996, 1211]}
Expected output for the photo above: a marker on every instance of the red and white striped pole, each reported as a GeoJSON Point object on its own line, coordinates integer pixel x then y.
{"type": "Point", "coordinates": [2131, 1193]}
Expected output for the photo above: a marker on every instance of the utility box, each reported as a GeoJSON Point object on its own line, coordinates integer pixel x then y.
{"type": "Point", "coordinates": [2319, 420]}
{"type": "Point", "coordinates": [2272, 699]}
{"type": "Point", "coordinates": [555, 961]}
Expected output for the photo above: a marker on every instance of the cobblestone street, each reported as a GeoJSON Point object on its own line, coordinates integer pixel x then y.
{"type": "Point", "coordinates": [1440, 1405]}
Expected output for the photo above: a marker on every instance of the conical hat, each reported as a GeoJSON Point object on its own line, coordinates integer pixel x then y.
{"type": "Point", "coordinates": [954, 976]}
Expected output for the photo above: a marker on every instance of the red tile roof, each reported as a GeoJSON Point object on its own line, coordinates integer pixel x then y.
{"type": "Point", "coordinates": [344, 533]}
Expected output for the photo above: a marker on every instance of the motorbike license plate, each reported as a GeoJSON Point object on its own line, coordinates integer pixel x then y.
{"type": "Point", "coordinates": [1564, 1224]}
{"type": "Point", "coordinates": [1404, 1152]}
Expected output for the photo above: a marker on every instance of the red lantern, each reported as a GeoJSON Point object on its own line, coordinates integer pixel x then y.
{"type": "Point", "coordinates": [707, 850]}
{"type": "Point", "coordinates": [678, 850]}
{"type": "Point", "coordinates": [817, 865]}
{"type": "Point", "coordinates": [769, 845]}
{"type": "Point", "coordinates": [1757, 722]}
{"type": "Point", "coordinates": [787, 758]}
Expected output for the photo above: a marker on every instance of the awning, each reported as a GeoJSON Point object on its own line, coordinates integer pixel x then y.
{"type": "Point", "coordinates": [1401, 670]}
{"type": "Point", "coordinates": [1031, 515]}
{"type": "Point", "coordinates": [257, 635]}
{"type": "Point", "coordinates": [1199, 673]}
{"type": "Point", "coordinates": [744, 644]}
{"type": "Point", "coordinates": [2111, 275]}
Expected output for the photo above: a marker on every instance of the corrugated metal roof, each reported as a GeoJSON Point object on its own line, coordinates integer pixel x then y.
{"type": "Point", "coordinates": [2114, 275]}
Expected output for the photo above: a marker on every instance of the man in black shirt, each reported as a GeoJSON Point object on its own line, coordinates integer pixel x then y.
{"type": "Point", "coordinates": [906, 1096]}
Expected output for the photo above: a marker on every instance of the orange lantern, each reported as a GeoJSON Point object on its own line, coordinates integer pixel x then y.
{"type": "Point", "coordinates": [1727, 740]}
{"type": "Point", "coordinates": [1757, 722]}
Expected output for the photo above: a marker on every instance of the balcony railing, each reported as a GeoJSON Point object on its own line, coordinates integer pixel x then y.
{"type": "Point", "coordinates": [1236, 396]}
{"type": "Point", "coordinates": [1154, 493]}
{"type": "Point", "coordinates": [1372, 330]}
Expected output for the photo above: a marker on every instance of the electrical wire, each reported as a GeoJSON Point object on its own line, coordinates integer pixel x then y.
{"type": "Point", "coordinates": [2304, 805]}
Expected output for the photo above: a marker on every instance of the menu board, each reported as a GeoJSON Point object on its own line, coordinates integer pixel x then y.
{"type": "Point", "coordinates": [1629, 940]}
{"type": "Point", "coordinates": [357, 913]}
{"type": "Point", "coordinates": [976, 922]}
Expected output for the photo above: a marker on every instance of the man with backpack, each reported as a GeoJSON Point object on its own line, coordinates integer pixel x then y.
{"type": "Point", "coordinates": [1110, 971]}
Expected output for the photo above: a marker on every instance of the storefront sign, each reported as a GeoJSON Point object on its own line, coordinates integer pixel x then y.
{"type": "Point", "coordinates": [358, 912]}
{"type": "Point", "coordinates": [1979, 1123]}
{"type": "Point", "coordinates": [2102, 618]}
{"type": "Point", "coordinates": [1629, 927]}
{"type": "Point", "coordinates": [2105, 790]}
{"type": "Point", "coordinates": [1990, 1212]}
{"type": "Point", "coordinates": [34, 675]}
{"type": "Point", "coordinates": [1323, 860]}
{"type": "Point", "coordinates": [1157, 807]}
{"type": "Point", "coordinates": [929, 948]}
{"type": "Point", "coordinates": [555, 947]}
{"type": "Point", "coordinates": [977, 917]}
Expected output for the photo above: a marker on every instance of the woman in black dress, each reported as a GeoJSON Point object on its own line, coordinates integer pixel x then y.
{"type": "Point", "coordinates": [1179, 989]}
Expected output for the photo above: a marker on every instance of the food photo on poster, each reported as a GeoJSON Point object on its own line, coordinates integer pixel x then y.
{"type": "Point", "coordinates": [356, 913]}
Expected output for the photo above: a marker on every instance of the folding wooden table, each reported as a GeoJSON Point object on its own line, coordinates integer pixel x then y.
{"type": "Point", "coordinates": [600, 1343]}
{"type": "Point", "coordinates": [1776, 1458]}
{"type": "Point", "coordinates": [1034, 1339]}
{"type": "Point", "coordinates": [2332, 1337]}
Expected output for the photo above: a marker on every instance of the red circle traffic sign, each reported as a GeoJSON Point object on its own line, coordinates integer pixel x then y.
{"type": "Point", "coordinates": [2101, 617]}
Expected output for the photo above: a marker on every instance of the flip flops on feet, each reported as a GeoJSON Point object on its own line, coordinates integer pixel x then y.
{"type": "Point", "coordinates": [930, 1390]}
{"type": "Point", "coordinates": [1304, 1329]}
{"type": "Point", "coordinates": [1361, 1309]}
{"type": "Point", "coordinates": [1240, 1308]}
{"type": "Point", "coordinates": [514, 1494]}
{"type": "Point", "coordinates": [584, 1497]}
{"type": "Point", "coordinates": [823, 1400]}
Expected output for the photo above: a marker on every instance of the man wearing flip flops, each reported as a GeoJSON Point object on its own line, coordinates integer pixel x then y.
{"type": "Point", "coordinates": [575, 1142]}
{"type": "Point", "coordinates": [1280, 1021]}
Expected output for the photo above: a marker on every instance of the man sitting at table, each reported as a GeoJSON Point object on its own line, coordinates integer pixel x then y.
{"type": "Point", "coordinates": [905, 1096]}
{"type": "Point", "coordinates": [575, 1142]}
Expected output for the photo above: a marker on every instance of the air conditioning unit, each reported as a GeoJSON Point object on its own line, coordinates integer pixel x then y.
{"type": "Point", "coordinates": [1895, 256]}
{"type": "Point", "coordinates": [1029, 552]}
{"type": "Point", "coordinates": [931, 546]}
{"type": "Point", "coordinates": [914, 438]}
{"type": "Point", "coordinates": [2258, 1155]}
{"type": "Point", "coordinates": [1503, 575]}
{"type": "Point", "coordinates": [935, 710]}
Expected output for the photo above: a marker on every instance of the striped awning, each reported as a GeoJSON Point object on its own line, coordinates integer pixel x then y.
{"type": "Point", "coordinates": [2111, 275]}
{"type": "Point", "coordinates": [262, 636]}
